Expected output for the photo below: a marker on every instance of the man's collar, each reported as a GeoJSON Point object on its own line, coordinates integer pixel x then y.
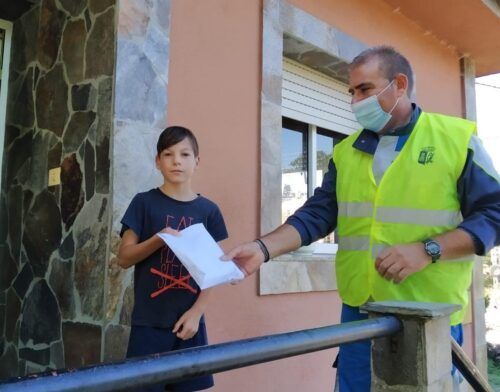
{"type": "Point", "coordinates": [406, 129]}
{"type": "Point", "coordinates": [367, 141]}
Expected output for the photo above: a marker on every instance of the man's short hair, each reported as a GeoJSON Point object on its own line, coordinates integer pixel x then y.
{"type": "Point", "coordinates": [176, 134]}
{"type": "Point", "coordinates": [391, 62]}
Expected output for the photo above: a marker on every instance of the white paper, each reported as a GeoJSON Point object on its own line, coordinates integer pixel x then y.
{"type": "Point", "coordinates": [200, 254]}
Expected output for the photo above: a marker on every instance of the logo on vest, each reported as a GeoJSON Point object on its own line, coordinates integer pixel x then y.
{"type": "Point", "coordinates": [426, 155]}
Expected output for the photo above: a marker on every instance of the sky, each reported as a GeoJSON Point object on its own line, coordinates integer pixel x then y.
{"type": "Point", "coordinates": [488, 115]}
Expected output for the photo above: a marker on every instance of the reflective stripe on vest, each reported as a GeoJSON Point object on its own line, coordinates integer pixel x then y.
{"type": "Point", "coordinates": [354, 243]}
{"type": "Point", "coordinates": [419, 216]}
{"type": "Point", "coordinates": [355, 209]}
{"type": "Point", "coordinates": [400, 215]}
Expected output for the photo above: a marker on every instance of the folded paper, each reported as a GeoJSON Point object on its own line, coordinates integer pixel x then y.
{"type": "Point", "coordinates": [200, 254]}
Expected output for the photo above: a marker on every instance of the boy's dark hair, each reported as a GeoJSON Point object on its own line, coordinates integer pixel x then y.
{"type": "Point", "coordinates": [173, 135]}
{"type": "Point", "coordinates": [391, 62]}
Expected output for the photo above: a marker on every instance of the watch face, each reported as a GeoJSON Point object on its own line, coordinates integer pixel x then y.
{"type": "Point", "coordinates": [433, 248]}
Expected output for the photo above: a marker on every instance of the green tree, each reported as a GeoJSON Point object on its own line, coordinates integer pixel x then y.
{"type": "Point", "coordinates": [300, 163]}
{"type": "Point", "coordinates": [322, 159]}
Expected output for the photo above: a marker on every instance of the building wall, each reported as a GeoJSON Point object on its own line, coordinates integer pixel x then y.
{"type": "Point", "coordinates": [54, 239]}
{"type": "Point", "coordinates": [376, 23]}
{"type": "Point", "coordinates": [215, 88]}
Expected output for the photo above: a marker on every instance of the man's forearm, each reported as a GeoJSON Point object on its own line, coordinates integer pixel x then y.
{"type": "Point", "coordinates": [282, 240]}
{"type": "Point", "coordinates": [455, 244]}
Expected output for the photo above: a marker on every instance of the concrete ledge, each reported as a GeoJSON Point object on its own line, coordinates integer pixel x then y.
{"type": "Point", "coordinates": [295, 273]}
{"type": "Point", "coordinates": [416, 309]}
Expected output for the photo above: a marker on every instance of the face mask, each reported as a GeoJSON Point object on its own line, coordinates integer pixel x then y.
{"type": "Point", "coordinates": [370, 114]}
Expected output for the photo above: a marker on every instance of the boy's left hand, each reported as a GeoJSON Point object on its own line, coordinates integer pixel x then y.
{"type": "Point", "coordinates": [187, 326]}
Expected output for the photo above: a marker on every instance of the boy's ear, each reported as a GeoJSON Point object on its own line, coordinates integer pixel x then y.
{"type": "Point", "coordinates": [197, 160]}
{"type": "Point", "coordinates": [157, 161]}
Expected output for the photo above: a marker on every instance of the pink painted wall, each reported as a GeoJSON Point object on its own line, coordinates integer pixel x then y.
{"type": "Point", "coordinates": [436, 66]}
{"type": "Point", "coordinates": [214, 88]}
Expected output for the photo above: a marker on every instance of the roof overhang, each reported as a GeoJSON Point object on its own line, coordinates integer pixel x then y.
{"type": "Point", "coordinates": [471, 27]}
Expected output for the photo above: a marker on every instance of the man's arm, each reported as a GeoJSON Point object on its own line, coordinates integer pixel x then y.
{"type": "Point", "coordinates": [314, 220]}
{"type": "Point", "coordinates": [318, 216]}
{"type": "Point", "coordinates": [249, 256]}
{"type": "Point", "coordinates": [398, 262]}
{"type": "Point", "coordinates": [479, 193]}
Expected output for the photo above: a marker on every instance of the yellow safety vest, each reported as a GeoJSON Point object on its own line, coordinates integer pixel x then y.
{"type": "Point", "coordinates": [416, 199]}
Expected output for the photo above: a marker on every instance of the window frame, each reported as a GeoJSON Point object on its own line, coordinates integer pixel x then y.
{"type": "Point", "coordinates": [7, 27]}
{"type": "Point", "coordinates": [326, 248]}
{"type": "Point", "coordinates": [329, 51]}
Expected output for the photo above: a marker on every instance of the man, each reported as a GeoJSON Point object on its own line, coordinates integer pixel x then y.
{"type": "Point", "coordinates": [413, 196]}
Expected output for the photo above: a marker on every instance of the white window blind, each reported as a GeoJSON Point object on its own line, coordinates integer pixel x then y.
{"type": "Point", "coordinates": [314, 98]}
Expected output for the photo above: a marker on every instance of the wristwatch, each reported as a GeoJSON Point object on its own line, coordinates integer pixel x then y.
{"type": "Point", "coordinates": [432, 248]}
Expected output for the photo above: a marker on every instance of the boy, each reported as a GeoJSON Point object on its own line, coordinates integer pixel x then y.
{"type": "Point", "coordinates": [169, 306]}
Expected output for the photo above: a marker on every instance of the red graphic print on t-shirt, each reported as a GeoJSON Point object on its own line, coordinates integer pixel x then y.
{"type": "Point", "coordinates": [172, 274]}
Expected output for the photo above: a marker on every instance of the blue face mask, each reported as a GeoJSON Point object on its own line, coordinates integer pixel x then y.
{"type": "Point", "coordinates": [370, 114]}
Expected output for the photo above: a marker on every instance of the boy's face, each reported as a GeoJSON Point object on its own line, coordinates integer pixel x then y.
{"type": "Point", "coordinates": [177, 163]}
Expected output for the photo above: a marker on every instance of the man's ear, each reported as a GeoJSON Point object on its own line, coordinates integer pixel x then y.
{"type": "Point", "coordinates": [401, 84]}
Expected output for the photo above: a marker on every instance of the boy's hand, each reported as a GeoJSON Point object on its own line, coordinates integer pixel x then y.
{"type": "Point", "coordinates": [248, 257]}
{"type": "Point", "coordinates": [169, 230]}
{"type": "Point", "coordinates": [187, 326]}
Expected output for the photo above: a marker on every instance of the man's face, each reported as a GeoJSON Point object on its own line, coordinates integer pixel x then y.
{"type": "Point", "coordinates": [367, 80]}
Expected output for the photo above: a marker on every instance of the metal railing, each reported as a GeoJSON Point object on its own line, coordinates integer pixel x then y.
{"type": "Point", "coordinates": [184, 364]}
{"type": "Point", "coordinates": [467, 368]}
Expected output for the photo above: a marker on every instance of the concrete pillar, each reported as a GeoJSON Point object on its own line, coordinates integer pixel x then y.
{"type": "Point", "coordinates": [479, 349]}
{"type": "Point", "coordinates": [418, 358]}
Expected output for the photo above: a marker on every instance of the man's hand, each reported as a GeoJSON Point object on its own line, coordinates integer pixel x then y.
{"type": "Point", "coordinates": [248, 257]}
{"type": "Point", "coordinates": [398, 262]}
{"type": "Point", "coordinates": [187, 326]}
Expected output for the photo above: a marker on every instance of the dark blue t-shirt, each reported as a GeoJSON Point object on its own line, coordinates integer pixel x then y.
{"type": "Point", "coordinates": [163, 288]}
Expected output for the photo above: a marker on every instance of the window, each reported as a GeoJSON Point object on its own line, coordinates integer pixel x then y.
{"type": "Point", "coordinates": [306, 151]}
{"type": "Point", "coordinates": [316, 115]}
{"type": "Point", "coordinates": [2, 39]}
{"type": "Point", "coordinates": [315, 98]}
{"type": "Point", "coordinates": [5, 43]}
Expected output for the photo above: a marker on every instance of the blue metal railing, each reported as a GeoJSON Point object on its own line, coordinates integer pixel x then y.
{"type": "Point", "coordinates": [184, 364]}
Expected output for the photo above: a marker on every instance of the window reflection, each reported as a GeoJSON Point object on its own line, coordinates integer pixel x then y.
{"type": "Point", "coordinates": [293, 167]}
{"type": "Point", "coordinates": [294, 163]}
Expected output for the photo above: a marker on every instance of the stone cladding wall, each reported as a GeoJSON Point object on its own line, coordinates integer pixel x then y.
{"type": "Point", "coordinates": [54, 240]}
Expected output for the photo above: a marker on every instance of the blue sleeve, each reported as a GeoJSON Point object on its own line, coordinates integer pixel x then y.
{"type": "Point", "coordinates": [479, 193]}
{"type": "Point", "coordinates": [318, 216]}
{"type": "Point", "coordinates": [134, 216]}
{"type": "Point", "coordinates": [216, 225]}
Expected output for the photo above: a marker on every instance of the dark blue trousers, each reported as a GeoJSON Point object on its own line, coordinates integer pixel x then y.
{"type": "Point", "coordinates": [145, 340]}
